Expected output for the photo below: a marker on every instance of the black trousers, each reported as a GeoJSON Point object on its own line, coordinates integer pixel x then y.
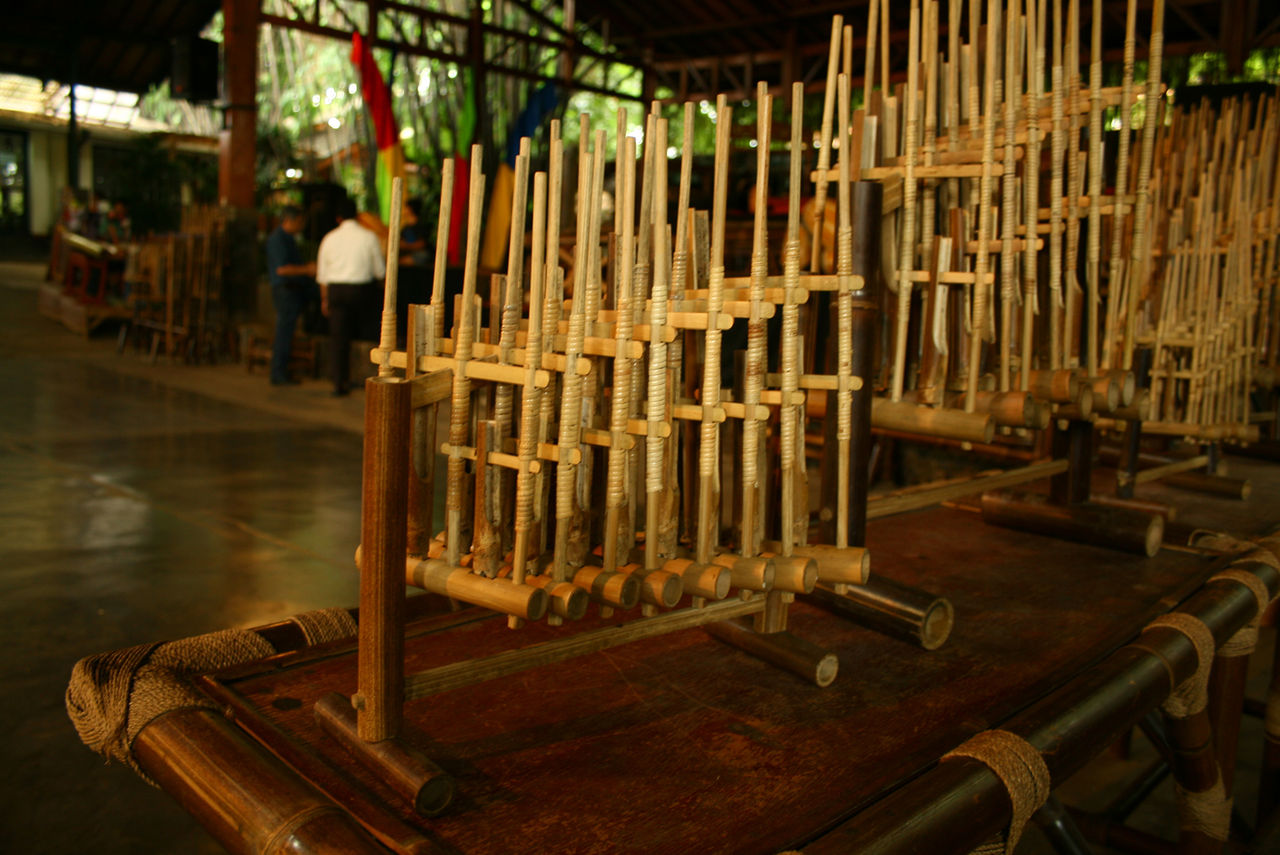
{"type": "Point", "coordinates": [349, 307]}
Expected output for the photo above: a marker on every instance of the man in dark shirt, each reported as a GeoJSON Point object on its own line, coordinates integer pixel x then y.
{"type": "Point", "coordinates": [291, 289]}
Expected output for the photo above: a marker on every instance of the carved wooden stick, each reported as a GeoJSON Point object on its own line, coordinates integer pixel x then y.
{"type": "Point", "coordinates": [513, 302]}
{"type": "Point", "coordinates": [1009, 292]}
{"type": "Point", "coordinates": [1071, 285]}
{"type": "Point", "coordinates": [709, 440]}
{"type": "Point", "coordinates": [792, 414]}
{"type": "Point", "coordinates": [616, 495]}
{"type": "Point", "coordinates": [844, 319]}
{"type": "Point", "coordinates": [1057, 153]}
{"type": "Point", "coordinates": [387, 340]}
{"type": "Point", "coordinates": [554, 297]}
{"type": "Point", "coordinates": [657, 398]}
{"type": "Point", "coordinates": [981, 287]}
{"type": "Point", "coordinates": [1036, 26]}
{"type": "Point", "coordinates": [1094, 257]}
{"type": "Point", "coordinates": [753, 382]}
{"type": "Point", "coordinates": [460, 412]}
{"type": "Point", "coordinates": [906, 256]}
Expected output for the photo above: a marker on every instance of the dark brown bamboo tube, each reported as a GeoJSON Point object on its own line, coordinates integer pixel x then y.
{"type": "Point", "coordinates": [246, 798]}
{"type": "Point", "coordinates": [899, 611]}
{"type": "Point", "coordinates": [406, 770]}
{"type": "Point", "coordinates": [608, 587]}
{"type": "Point", "coordinates": [711, 581]}
{"type": "Point", "coordinates": [961, 803]}
{"type": "Point", "coordinates": [383, 528]}
{"type": "Point", "coordinates": [1060, 386]}
{"type": "Point", "coordinates": [1269, 777]}
{"type": "Point", "coordinates": [1214, 485]}
{"type": "Point", "coordinates": [753, 574]}
{"type": "Point", "coordinates": [1117, 528]}
{"type": "Point", "coordinates": [563, 598]}
{"type": "Point", "coordinates": [802, 658]}
{"type": "Point", "coordinates": [1080, 408]}
{"type": "Point", "coordinates": [851, 565]}
{"type": "Point", "coordinates": [501, 595]}
{"type": "Point", "coordinates": [1226, 711]}
{"type": "Point", "coordinates": [796, 574]}
{"type": "Point", "coordinates": [1074, 443]}
{"type": "Point", "coordinates": [1195, 769]}
{"type": "Point", "coordinates": [1169, 512]}
{"type": "Point", "coordinates": [867, 202]}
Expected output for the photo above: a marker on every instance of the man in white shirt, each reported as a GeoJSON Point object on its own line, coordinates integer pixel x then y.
{"type": "Point", "coordinates": [350, 269]}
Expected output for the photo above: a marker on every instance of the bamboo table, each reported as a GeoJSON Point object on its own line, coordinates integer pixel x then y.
{"type": "Point", "coordinates": [680, 742]}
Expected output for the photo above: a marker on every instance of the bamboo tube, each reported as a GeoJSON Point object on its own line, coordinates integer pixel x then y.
{"type": "Point", "coordinates": [1111, 527]}
{"type": "Point", "coordinates": [383, 525]}
{"type": "Point", "coordinates": [828, 106]}
{"type": "Point", "coordinates": [530, 400]}
{"type": "Point", "coordinates": [571, 396]}
{"type": "Point", "coordinates": [608, 587]}
{"type": "Point", "coordinates": [848, 566]}
{"type": "Point", "coordinates": [1036, 27]}
{"type": "Point", "coordinates": [554, 292]}
{"type": "Point", "coordinates": [460, 406]}
{"type": "Point", "coordinates": [616, 493]}
{"type": "Point", "coordinates": [981, 295]}
{"type": "Point", "coordinates": [792, 415]}
{"type": "Point", "coordinates": [1009, 290]}
{"type": "Point", "coordinates": [782, 649]}
{"type": "Point", "coordinates": [968, 425]}
{"type": "Point", "coordinates": [513, 299]}
{"type": "Point", "coordinates": [1141, 217]}
{"type": "Point", "coordinates": [709, 581]}
{"type": "Point", "coordinates": [751, 573]}
{"type": "Point", "coordinates": [1107, 393]}
{"type": "Point", "coordinates": [1061, 386]}
{"type": "Point", "coordinates": [1214, 485]}
{"type": "Point", "coordinates": [439, 577]}
{"type": "Point", "coordinates": [405, 769]}
{"type": "Point", "coordinates": [752, 430]}
{"type": "Point", "coordinates": [901, 612]}
{"type": "Point", "coordinates": [709, 440]}
{"type": "Point", "coordinates": [1071, 284]}
{"type": "Point", "coordinates": [1058, 145]}
{"type": "Point", "coordinates": [658, 381]}
{"type": "Point", "coordinates": [387, 337]}
{"type": "Point", "coordinates": [844, 322]}
{"type": "Point", "coordinates": [907, 241]}
{"type": "Point", "coordinates": [1094, 257]}
{"type": "Point", "coordinates": [658, 587]}
{"type": "Point", "coordinates": [1009, 409]}
{"type": "Point", "coordinates": [796, 574]}
{"type": "Point", "coordinates": [564, 599]}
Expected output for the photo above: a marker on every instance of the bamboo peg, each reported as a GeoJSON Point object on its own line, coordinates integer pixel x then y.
{"type": "Point", "coordinates": [387, 339]}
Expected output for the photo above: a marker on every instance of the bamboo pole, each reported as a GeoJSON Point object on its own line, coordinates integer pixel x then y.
{"type": "Point", "coordinates": [616, 494]}
{"type": "Point", "coordinates": [844, 319]}
{"type": "Point", "coordinates": [387, 338]}
{"type": "Point", "coordinates": [981, 288]}
{"type": "Point", "coordinates": [1057, 154]}
{"type": "Point", "coordinates": [753, 382]}
{"type": "Point", "coordinates": [1094, 257]}
{"type": "Point", "coordinates": [828, 106]}
{"type": "Point", "coordinates": [792, 415]}
{"type": "Point", "coordinates": [657, 398]}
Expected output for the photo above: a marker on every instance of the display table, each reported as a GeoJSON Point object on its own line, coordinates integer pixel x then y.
{"type": "Point", "coordinates": [682, 743]}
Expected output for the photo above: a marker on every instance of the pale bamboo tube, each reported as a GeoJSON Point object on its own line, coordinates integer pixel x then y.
{"type": "Point", "coordinates": [513, 299]}
{"type": "Point", "coordinates": [908, 417]}
{"type": "Point", "coordinates": [1140, 260]}
{"type": "Point", "coordinates": [828, 107]}
{"type": "Point", "coordinates": [846, 64]}
{"type": "Point", "coordinates": [1071, 285]}
{"type": "Point", "coordinates": [907, 245]}
{"type": "Point", "coordinates": [641, 282]}
{"type": "Point", "coordinates": [553, 299]}
{"type": "Point", "coordinates": [884, 48]}
{"type": "Point", "coordinates": [658, 380]}
{"type": "Point", "coordinates": [848, 566]}
{"type": "Point", "coordinates": [753, 381]}
{"type": "Point", "coordinates": [869, 67]}
{"type": "Point", "coordinates": [709, 440]}
{"type": "Point", "coordinates": [615, 495]}
{"type": "Point", "coordinates": [710, 581]}
{"type": "Point", "coordinates": [387, 339]}
{"type": "Point", "coordinates": [844, 320]}
{"type": "Point", "coordinates": [975, 79]}
{"type": "Point", "coordinates": [928, 209]}
{"type": "Point", "coordinates": [1094, 257]}
{"type": "Point", "coordinates": [1009, 292]}
{"type": "Point", "coordinates": [460, 401]}
{"type": "Point", "coordinates": [1060, 386]}
{"type": "Point", "coordinates": [609, 588]}
{"type": "Point", "coordinates": [442, 248]}
{"type": "Point", "coordinates": [791, 416]}
{"type": "Point", "coordinates": [530, 399]}
{"type": "Point", "coordinates": [521, 601]}
{"type": "Point", "coordinates": [752, 573]}
{"type": "Point", "coordinates": [1058, 147]}
{"type": "Point", "coordinates": [571, 397]}
{"type": "Point", "coordinates": [1036, 27]}
{"type": "Point", "coordinates": [981, 287]}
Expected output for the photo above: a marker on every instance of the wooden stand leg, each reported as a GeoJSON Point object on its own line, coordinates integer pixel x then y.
{"type": "Point", "coordinates": [383, 524]}
{"type": "Point", "coordinates": [1195, 769]}
{"type": "Point", "coordinates": [783, 649]}
{"type": "Point", "coordinates": [1127, 471]}
{"type": "Point", "coordinates": [406, 770]}
{"type": "Point", "coordinates": [1269, 778]}
{"type": "Point", "coordinates": [1075, 443]}
{"type": "Point", "coordinates": [897, 610]}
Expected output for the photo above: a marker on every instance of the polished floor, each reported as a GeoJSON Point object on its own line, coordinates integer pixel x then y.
{"type": "Point", "coordinates": [142, 502]}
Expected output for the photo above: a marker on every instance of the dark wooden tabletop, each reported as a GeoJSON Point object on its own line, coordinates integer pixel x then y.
{"type": "Point", "coordinates": [681, 743]}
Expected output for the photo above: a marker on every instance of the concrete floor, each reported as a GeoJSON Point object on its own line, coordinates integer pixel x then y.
{"type": "Point", "coordinates": [143, 502]}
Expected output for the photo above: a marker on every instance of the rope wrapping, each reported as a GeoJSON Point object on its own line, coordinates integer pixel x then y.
{"type": "Point", "coordinates": [324, 625]}
{"type": "Point", "coordinates": [114, 695]}
{"type": "Point", "coordinates": [1207, 812]}
{"type": "Point", "coordinates": [1245, 641]}
{"type": "Point", "coordinates": [1020, 768]}
{"type": "Point", "coordinates": [1192, 695]}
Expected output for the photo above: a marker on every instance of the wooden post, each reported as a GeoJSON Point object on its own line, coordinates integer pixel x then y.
{"type": "Point", "coordinates": [383, 521]}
